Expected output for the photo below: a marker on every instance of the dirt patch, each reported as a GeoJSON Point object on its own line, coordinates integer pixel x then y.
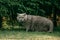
{"type": "Point", "coordinates": [45, 37]}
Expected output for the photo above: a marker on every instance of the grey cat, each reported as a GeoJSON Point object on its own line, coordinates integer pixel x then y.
{"type": "Point", "coordinates": [35, 23]}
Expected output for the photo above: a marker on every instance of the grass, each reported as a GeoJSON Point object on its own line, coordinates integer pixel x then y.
{"type": "Point", "coordinates": [22, 35]}
{"type": "Point", "coordinates": [17, 34]}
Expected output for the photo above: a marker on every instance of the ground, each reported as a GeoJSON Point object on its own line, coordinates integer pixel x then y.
{"type": "Point", "coordinates": [22, 35]}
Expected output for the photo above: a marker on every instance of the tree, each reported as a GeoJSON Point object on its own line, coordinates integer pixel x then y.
{"type": "Point", "coordinates": [33, 7]}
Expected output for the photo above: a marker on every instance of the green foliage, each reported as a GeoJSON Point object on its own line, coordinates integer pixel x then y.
{"type": "Point", "coordinates": [10, 8]}
{"type": "Point", "coordinates": [35, 7]}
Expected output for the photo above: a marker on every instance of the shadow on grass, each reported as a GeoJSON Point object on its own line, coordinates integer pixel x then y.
{"type": "Point", "coordinates": [57, 29]}
{"type": "Point", "coordinates": [56, 32]}
{"type": "Point", "coordinates": [12, 29]}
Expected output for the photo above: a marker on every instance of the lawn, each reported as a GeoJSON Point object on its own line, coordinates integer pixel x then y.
{"type": "Point", "coordinates": [22, 35]}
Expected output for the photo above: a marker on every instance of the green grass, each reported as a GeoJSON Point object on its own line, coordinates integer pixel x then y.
{"type": "Point", "coordinates": [6, 33]}
{"type": "Point", "coordinates": [22, 34]}
{"type": "Point", "coordinates": [17, 34]}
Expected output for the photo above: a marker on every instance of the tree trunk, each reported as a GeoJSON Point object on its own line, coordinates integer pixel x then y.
{"type": "Point", "coordinates": [0, 22]}
{"type": "Point", "coordinates": [54, 16]}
